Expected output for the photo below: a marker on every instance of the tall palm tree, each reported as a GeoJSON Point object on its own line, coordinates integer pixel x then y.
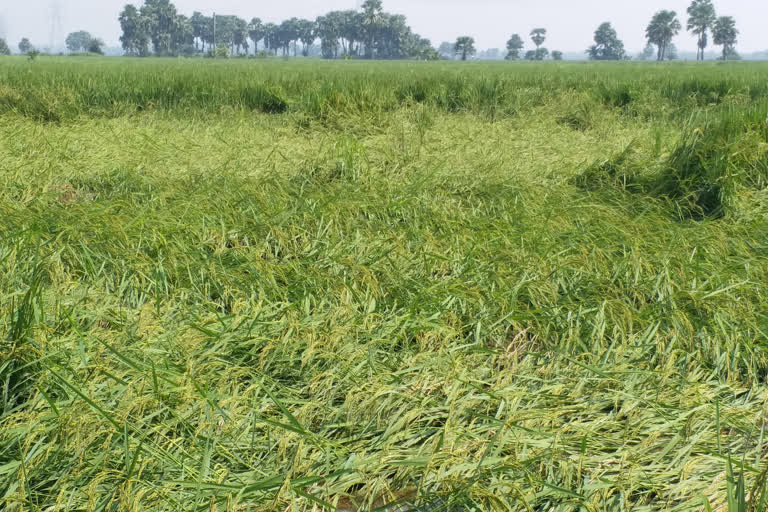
{"type": "Point", "coordinates": [538, 36]}
{"type": "Point", "coordinates": [663, 27]}
{"type": "Point", "coordinates": [701, 18]}
{"type": "Point", "coordinates": [726, 35]}
{"type": "Point", "coordinates": [256, 33]}
{"type": "Point", "coordinates": [372, 11]}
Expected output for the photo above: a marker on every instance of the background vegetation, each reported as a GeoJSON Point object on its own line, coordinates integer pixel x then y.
{"type": "Point", "coordinates": [303, 285]}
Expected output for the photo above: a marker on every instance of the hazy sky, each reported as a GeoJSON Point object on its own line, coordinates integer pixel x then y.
{"type": "Point", "coordinates": [571, 23]}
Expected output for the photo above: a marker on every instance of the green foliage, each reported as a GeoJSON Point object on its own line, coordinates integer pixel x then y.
{"type": "Point", "coordinates": [78, 42]}
{"type": "Point", "coordinates": [537, 54]}
{"type": "Point", "coordinates": [25, 46]}
{"type": "Point", "coordinates": [4, 48]}
{"type": "Point", "coordinates": [96, 46]}
{"type": "Point", "coordinates": [726, 35]}
{"type": "Point", "coordinates": [371, 33]}
{"type": "Point", "coordinates": [464, 47]}
{"type": "Point", "coordinates": [701, 19]}
{"type": "Point", "coordinates": [220, 52]}
{"type": "Point", "coordinates": [607, 45]}
{"type": "Point", "coordinates": [538, 36]}
{"type": "Point", "coordinates": [514, 46]}
{"type": "Point", "coordinates": [664, 26]}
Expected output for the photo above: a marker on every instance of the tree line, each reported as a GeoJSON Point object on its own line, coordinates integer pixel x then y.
{"type": "Point", "coordinates": [157, 28]}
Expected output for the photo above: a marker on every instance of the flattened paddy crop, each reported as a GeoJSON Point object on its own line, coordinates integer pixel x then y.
{"type": "Point", "coordinates": [275, 286]}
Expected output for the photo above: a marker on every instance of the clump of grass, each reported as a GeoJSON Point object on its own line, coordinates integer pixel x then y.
{"type": "Point", "coordinates": [19, 350]}
{"type": "Point", "coordinates": [711, 161]}
{"type": "Point", "coordinates": [620, 171]}
{"type": "Point", "coordinates": [264, 99]}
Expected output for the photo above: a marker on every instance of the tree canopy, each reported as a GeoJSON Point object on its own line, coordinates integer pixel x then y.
{"type": "Point", "coordinates": [78, 41]}
{"type": "Point", "coordinates": [4, 48]}
{"type": "Point", "coordinates": [726, 35]}
{"type": "Point", "coordinates": [664, 26]}
{"type": "Point", "coordinates": [607, 45]}
{"type": "Point", "coordinates": [157, 28]}
{"type": "Point", "coordinates": [514, 46]}
{"type": "Point", "coordinates": [464, 47]}
{"type": "Point", "coordinates": [25, 46]}
{"type": "Point", "coordinates": [701, 18]}
{"type": "Point", "coordinates": [538, 36]}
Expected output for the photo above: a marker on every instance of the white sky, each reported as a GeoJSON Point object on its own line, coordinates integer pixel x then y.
{"type": "Point", "coordinates": [571, 23]}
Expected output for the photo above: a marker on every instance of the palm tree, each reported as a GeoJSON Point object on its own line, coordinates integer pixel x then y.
{"type": "Point", "coordinates": [306, 35]}
{"type": "Point", "coordinates": [372, 11]}
{"type": "Point", "coordinates": [701, 18]}
{"type": "Point", "coordinates": [726, 35]}
{"type": "Point", "coordinates": [538, 36]}
{"type": "Point", "coordinates": [663, 27]}
{"type": "Point", "coordinates": [256, 33]}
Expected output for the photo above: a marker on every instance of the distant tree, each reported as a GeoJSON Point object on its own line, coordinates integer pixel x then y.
{"type": "Point", "coordinates": [514, 45]}
{"type": "Point", "coordinates": [557, 55]}
{"type": "Point", "coordinates": [464, 47]}
{"type": "Point", "coordinates": [664, 26]}
{"type": "Point", "coordinates": [271, 40]}
{"type": "Point", "coordinates": [96, 45]}
{"type": "Point", "coordinates": [306, 35]}
{"type": "Point", "coordinates": [4, 48]}
{"type": "Point", "coordinates": [288, 32]}
{"type": "Point", "coordinates": [537, 54]}
{"type": "Point", "coordinates": [446, 50]}
{"type": "Point", "coordinates": [371, 25]}
{"type": "Point", "coordinates": [648, 52]}
{"type": "Point", "coordinates": [183, 36]}
{"type": "Point", "coordinates": [726, 35]}
{"type": "Point", "coordinates": [240, 35]}
{"type": "Point", "coordinates": [327, 30]}
{"type": "Point", "coordinates": [161, 17]}
{"type": "Point", "coordinates": [135, 36]}
{"type": "Point", "coordinates": [78, 41]}
{"type": "Point", "coordinates": [671, 53]}
{"type": "Point", "coordinates": [701, 19]}
{"type": "Point", "coordinates": [226, 26]}
{"type": "Point", "coordinates": [419, 48]}
{"type": "Point", "coordinates": [538, 36]}
{"type": "Point", "coordinates": [256, 33]}
{"type": "Point", "coordinates": [25, 46]}
{"type": "Point", "coordinates": [199, 27]}
{"type": "Point", "coordinates": [607, 45]}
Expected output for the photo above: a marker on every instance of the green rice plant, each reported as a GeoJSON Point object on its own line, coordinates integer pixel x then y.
{"type": "Point", "coordinates": [19, 349]}
{"type": "Point", "coordinates": [391, 291]}
{"type": "Point", "coordinates": [620, 171]}
{"type": "Point", "coordinates": [264, 99]}
{"type": "Point", "coordinates": [703, 171]}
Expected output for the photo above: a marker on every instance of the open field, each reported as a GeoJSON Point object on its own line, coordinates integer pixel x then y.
{"type": "Point", "coordinates": [264, 285]}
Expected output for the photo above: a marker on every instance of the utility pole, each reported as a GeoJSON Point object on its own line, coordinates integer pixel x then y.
{"type": "Point", "coordinates": [214, 33]}
{"type": "Point", "coordinates": [56, 25]}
